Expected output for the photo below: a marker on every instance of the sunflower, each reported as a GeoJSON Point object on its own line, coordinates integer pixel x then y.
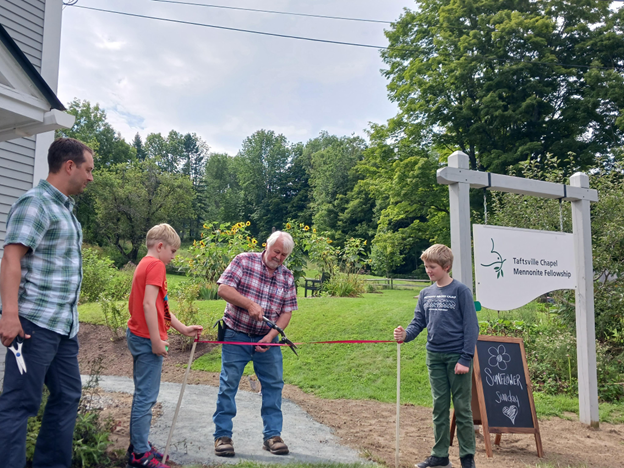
{"type": "Point", "coordinates": [248, 223]}
{"type": "Point", "coordinates": [288, 226]}
{"type": "Point", "coordinates": [307, 228]}
{"type": "Point", "coordinates": [254, 241]}
{"type": "Point", "coordinates": [329, 241]}
{"type": "Point", "coordinates": [314, 230]}
{"type": "Point", "coordinates": [364, 242]}
{"type": "Point", "coordinates": [205, 226]}
{"type": "Point", "coordinates": [264, 244]}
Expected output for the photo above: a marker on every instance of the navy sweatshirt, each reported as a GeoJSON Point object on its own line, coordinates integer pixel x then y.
{"type": "Point", "coordinates": [449, 315]}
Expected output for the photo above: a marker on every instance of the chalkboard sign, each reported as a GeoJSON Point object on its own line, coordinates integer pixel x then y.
{"type": "Point", "coordinates": [502, 396]}
{"type": "Point", "coordinates": [504, 384]}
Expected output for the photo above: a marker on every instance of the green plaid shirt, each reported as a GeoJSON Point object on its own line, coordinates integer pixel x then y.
{"type": "Point", "coordinates": [43, 220]}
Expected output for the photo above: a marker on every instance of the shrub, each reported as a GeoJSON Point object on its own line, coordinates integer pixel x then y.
{"type": "Point", "coordinates": [209, 292]}
{"type": "Point", "coordinates": [344, 285]}
{"type": "Point", "coordinates": [187, 312]}
{"type": "Point", "coordinates": [97, 272]}
{"type": "Point", "coordinates": [116, 316]}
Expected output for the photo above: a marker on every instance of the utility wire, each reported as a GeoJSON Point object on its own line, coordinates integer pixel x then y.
{"type": "Point", "coordinates": [307, 15]}
{"type": "Point", "coordinates": [327, 41]}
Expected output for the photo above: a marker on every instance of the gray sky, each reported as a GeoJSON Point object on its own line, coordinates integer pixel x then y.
{"type": "Point", "coordinates": [152, 76]}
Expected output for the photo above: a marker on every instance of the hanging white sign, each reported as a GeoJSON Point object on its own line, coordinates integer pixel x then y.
{"type": "Point", "coordinates": [514, 266]}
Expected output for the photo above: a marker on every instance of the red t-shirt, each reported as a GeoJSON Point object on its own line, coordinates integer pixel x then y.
{"type": "Point", "coordinates": [149, 271]}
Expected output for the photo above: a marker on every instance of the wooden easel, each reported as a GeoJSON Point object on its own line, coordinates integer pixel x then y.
{"type": "Point", "coordinates": [479, 413]}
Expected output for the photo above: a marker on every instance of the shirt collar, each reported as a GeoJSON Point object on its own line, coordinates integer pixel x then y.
{"type": "Point", "coordinates": [56, 194]}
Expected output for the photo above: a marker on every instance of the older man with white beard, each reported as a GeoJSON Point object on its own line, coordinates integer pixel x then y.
{"type": "Point", "coordinates": [255, 285]}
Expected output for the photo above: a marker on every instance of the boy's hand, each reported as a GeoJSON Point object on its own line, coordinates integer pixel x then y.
{"type": "Point", "coordinates": [193, 330]}
{"type": "Point", "coordinates": [399, 334]}
{"type": "Point", "coordinates": [159, 347]}
{"type": "Point", "coordinates": [459, 369]}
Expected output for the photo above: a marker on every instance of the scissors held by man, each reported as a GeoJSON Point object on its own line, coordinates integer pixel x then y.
{"type": "Point", "coordinates": [16, 347]}
{"type": "Point", "coordinates": [284, 340]}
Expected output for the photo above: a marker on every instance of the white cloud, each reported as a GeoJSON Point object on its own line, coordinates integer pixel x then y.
{"type": "Point", "coordinates": [153, 76]}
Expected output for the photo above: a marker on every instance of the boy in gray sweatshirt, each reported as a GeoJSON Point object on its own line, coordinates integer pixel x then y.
{"type": "Point", "coordinates": [446, 309]}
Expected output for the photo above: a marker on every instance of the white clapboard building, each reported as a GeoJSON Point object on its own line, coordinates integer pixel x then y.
{"type": "Point", "coordinates": [30, 40]}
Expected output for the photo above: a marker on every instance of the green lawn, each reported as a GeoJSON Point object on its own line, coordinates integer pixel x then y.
{"type": "Point", "coordinates": [360, 371]}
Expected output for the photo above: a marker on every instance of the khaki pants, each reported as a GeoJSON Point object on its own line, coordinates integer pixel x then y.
{"type": "Point", "coordinates": [444, 384]}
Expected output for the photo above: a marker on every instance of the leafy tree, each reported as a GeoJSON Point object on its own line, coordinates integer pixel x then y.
{"type": "Point", "coordinates": [412, 207]}
{"type": "Point", "coordinates": [509, 80]}
{"type": "Point", "coordinates": [137, 143]}
{"type": "Point", "coordinates": [92, 128]}
{"type": "Point", "coordinates": [222, 193]}
{"type": "Point", "coordinates": [332, 178]}
{"type": "Point", "coordinates": [109, 148]}
{"type": "Point", "coordinates": [262, 165]}
{"type": "Point", "coordinates": [131, 198]}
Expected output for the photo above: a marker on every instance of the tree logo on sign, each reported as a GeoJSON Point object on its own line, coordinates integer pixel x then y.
{"type": "Point", "coordinates": [498, 264]}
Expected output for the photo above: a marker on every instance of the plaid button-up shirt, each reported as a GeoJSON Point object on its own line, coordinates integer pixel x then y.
{"type": "Point", "coordinates": [43, 220]}
{"type": "Point", "coordinates": [276, 294]}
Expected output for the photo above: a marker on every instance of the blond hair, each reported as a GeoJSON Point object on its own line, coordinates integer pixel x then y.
{"type": "Point", "coordinates": [440, 254]}
{"type": "Point", "coordinates": [162, 233]}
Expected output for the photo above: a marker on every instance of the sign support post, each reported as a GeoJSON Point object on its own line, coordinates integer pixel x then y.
{"type": "Point", "coordinates": [585, 321]}
{"type": "Point", "coordinates": [460, 179]}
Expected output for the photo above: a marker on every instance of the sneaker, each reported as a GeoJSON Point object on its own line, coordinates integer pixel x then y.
{"type": "Point", "coordinates": [441, 462]}
{"type": "Point", "coordinates": [224, 447]}
{"type": "Point", "coordinates": [276, 446]}
{"type": "Point", "coordinates": [146, 461]}
{"type": "Point", "coordinates": [467, 461]}
{"type": "Point", "coordinates": [159, 456]}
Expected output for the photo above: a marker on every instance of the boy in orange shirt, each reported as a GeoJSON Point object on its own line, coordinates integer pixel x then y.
{"type": "Point", "coordinates": [147, 338]}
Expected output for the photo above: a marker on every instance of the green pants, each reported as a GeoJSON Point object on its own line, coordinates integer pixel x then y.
{"type": "Point", "coordinates": [444, 383]}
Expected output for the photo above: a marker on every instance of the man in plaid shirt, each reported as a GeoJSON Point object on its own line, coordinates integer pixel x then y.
{"type": "Point", "coordinates": [40, 281]}
{"type": "Point", "coordinates": [255, 284]}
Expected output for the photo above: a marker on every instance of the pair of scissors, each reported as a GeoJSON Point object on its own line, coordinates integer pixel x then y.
{"type": "Point", "coordinates": [16, 347]}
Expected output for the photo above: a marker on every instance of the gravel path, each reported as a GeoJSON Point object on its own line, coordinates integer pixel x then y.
{"type": "Point", "coordinates": [308, 440]}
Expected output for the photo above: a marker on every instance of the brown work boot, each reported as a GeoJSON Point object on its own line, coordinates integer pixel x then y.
{"type": "Point", "coordinates": [276, 446]}
{"type": "Point", "coordinates": [224, 447]}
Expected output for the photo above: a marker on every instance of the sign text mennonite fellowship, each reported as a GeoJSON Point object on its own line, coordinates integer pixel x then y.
{"type": "Point", "coordinates": [514, 266]}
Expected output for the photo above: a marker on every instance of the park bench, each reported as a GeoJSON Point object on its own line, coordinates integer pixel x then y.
{"type": "Point", "coordinates": [314, 285]}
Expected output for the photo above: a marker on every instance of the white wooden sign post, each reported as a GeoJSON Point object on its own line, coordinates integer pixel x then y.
{"type": "Point", "coordinates": [460, 179]}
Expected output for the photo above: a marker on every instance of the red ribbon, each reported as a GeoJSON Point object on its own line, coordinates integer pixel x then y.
{"type": "Point", "coordinates": [245, 343]}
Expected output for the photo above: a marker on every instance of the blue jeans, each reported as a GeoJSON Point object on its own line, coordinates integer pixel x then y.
{"type": "Point", "coordinates": [268, 368]}
{"type": "Point", "coordinates": [52, 359]}
{"type": "Point", "coordinates": [146, 374]}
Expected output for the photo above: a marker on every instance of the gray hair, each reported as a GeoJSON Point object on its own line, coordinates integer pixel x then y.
{"type": "Point", "coordinates": [287, 240]}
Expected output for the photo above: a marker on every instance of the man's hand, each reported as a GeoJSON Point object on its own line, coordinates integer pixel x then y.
{"type": "Point", "coordinates": [231, 295]}
{"type": "Point", "coordinates": [159, 347]}
{"type": "Point", "coordinates": [263, 349]}
{"type": "Point", "coordinates": [10, 327]}
{"type": "Point", "coordinates": [192, 330]}
{"type": "Point", "coordinates": [399, 334]}
{"type": "Point", "coordinates": [255, 311]}
{"type": "Point", "coordinates": [459, 369]}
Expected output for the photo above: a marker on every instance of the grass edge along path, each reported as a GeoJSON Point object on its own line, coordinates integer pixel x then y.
{"type": "Point", "coordinates": [359, 371]}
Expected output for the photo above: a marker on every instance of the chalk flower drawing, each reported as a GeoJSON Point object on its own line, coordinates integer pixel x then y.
{"type": "Point", "coordinates": [498, 357]}
{"type": "Point", "coordinates": [498, 265]}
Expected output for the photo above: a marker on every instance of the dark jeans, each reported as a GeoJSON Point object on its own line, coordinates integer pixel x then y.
{"type": "Point", "coordinates": [51, 359]}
